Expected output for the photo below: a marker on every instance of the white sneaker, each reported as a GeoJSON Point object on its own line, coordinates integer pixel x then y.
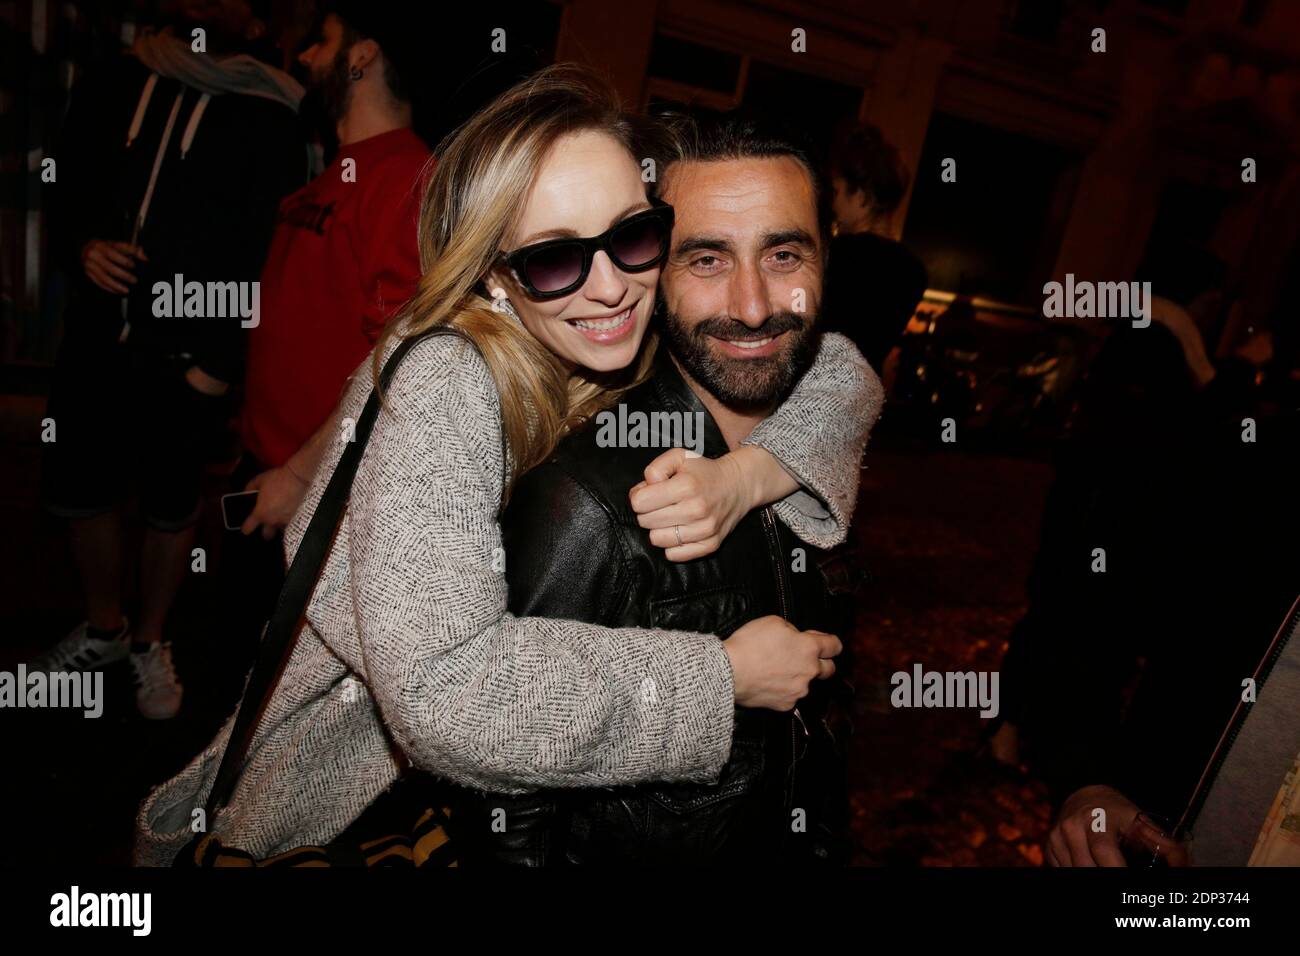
{"type": "Point", "coordinates": [158, 692]}
{"type": "Point", "coordinates": [81, 652]}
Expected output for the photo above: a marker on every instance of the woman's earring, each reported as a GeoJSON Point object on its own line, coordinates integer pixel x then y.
{"type": "Point", "coordinates": [355, 74]}
{"type": "Point", "coordinates": [501, 304]}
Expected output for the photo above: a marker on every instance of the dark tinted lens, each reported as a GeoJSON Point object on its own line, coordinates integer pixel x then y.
{"type": "Point", "coordinates": [638, 242]}
{"type": "Point", "coordinates": [554, 268]}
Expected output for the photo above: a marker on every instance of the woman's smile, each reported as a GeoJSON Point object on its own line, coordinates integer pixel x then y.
{"type": "Point", "coordinates": [608, 328]}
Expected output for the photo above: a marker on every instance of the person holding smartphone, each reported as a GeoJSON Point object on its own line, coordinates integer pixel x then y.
{"type": "Point", "coordinates": [170, 168]}
{"type": "Point", "coordinates": [343, 259]}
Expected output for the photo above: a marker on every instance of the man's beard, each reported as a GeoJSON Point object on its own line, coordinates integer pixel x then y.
{"type": "Point", "coordinates": [329, 95]}
{"type": "Point", "coordinates": [757, 383]}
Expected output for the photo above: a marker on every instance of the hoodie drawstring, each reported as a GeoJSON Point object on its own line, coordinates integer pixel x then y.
{"type": "Point", "coordinates": [192, 126]}
{"type": "Point", "coordinates": [157, 165]}
{"type": "Point", "coordinates": [187, 139]}
{"type": "Point", "coordinates": [163, 142]}
{"type": "Point", "coordinates": [138, 120]}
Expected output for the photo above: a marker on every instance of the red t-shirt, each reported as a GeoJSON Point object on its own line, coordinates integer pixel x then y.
{"type": "Point", "coordinates": [343, 259]}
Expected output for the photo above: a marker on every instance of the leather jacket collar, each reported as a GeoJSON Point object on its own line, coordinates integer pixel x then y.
{"type": "Point", "coordinates": [669, 391]}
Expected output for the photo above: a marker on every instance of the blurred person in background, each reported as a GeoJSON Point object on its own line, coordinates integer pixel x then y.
{"type": "Point", "coordinates": [343, 259]}
{"type": "Point", "coordinates": [874, 282]}
{"type": "Point", "coordinates": [1203, 600]}
{"type": "Point", "coordinates": [1120, 673]}
{"type": "Point", "coordinates": [170, 168]}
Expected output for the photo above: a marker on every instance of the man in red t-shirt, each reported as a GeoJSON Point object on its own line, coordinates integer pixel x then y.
{"type": "Point", "coordinates": [344, 258]}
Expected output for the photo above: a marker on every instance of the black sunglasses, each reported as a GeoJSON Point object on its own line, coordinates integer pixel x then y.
{"type": "Point", "coordinates": [556, 267]}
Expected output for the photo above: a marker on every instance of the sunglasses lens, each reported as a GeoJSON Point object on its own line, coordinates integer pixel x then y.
{"type": "Point", "coordinates": [639, 243]}
{"type": "Point", "coordinates": [554, 268]}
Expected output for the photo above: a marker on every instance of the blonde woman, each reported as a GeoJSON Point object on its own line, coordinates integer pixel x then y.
{"type": "Point", "coordinates": [408, 655]}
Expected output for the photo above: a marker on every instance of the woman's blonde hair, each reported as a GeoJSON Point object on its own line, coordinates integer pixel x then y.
{"type": "Point", "coordinates": [482, 176]}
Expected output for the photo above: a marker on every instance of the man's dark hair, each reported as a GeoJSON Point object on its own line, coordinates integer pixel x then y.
{"type": "Point", "coordinates": [382, 23]}
{"type": "Point", "coordinates": [864, 159]}
{"type": "Point", "coordinates": [739, 134]}
{"type": "Point", "coordinates": [751, 383]}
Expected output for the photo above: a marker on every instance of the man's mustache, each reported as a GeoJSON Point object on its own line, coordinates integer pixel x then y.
{"type": "Point", "coordinates": [733, 330]}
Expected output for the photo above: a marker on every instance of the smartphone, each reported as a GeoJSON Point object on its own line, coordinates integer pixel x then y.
{"type": "Point", "coordinates": [236, 507]}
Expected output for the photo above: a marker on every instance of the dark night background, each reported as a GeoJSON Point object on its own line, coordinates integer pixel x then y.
{"type": "Point", "coordinates": [1068, 162]}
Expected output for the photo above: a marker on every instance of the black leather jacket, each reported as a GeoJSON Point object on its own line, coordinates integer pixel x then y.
{"type": "Point", "coordinates": [574, 550]}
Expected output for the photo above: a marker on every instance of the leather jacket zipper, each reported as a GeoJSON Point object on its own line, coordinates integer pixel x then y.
{"type": "Point", "coordinates": [773, 539]}
{"type": "Point", "coordinates": [778, 564]}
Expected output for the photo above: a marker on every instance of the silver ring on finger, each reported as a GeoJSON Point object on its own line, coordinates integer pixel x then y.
{"type": "Point", "coordinates": [677, 529]}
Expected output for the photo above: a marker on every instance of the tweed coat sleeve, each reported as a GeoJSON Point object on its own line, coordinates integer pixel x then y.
{"type": "Point", "coordinates": [465, 689]}
{"type": "Point", "coordinates": [818, 434]}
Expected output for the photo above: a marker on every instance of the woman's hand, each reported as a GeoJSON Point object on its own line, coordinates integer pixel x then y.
{"type": "Point", "coordinates": [690, 504]}
{"type": "Point", "coordinates": [772, 663]}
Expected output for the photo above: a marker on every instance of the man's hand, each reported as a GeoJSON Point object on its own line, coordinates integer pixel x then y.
{"type": "Point", "coordinates": [1073, 842]}
{"type": "Point", "coordinates": [280, 493]}
{"type": "Point", "coordinates": [700, 499]}
{"type": "Point", "coordinates": [109, 264]}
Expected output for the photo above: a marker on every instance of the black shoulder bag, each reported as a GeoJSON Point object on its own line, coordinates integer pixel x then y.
{"type": "Point", "coordinates": [425, 842]}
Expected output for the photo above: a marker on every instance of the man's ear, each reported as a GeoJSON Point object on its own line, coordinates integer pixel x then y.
{"type": "Point", "coordinates": [255, 30]}
{"type": "Point", "coordinates": [363, 53]}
